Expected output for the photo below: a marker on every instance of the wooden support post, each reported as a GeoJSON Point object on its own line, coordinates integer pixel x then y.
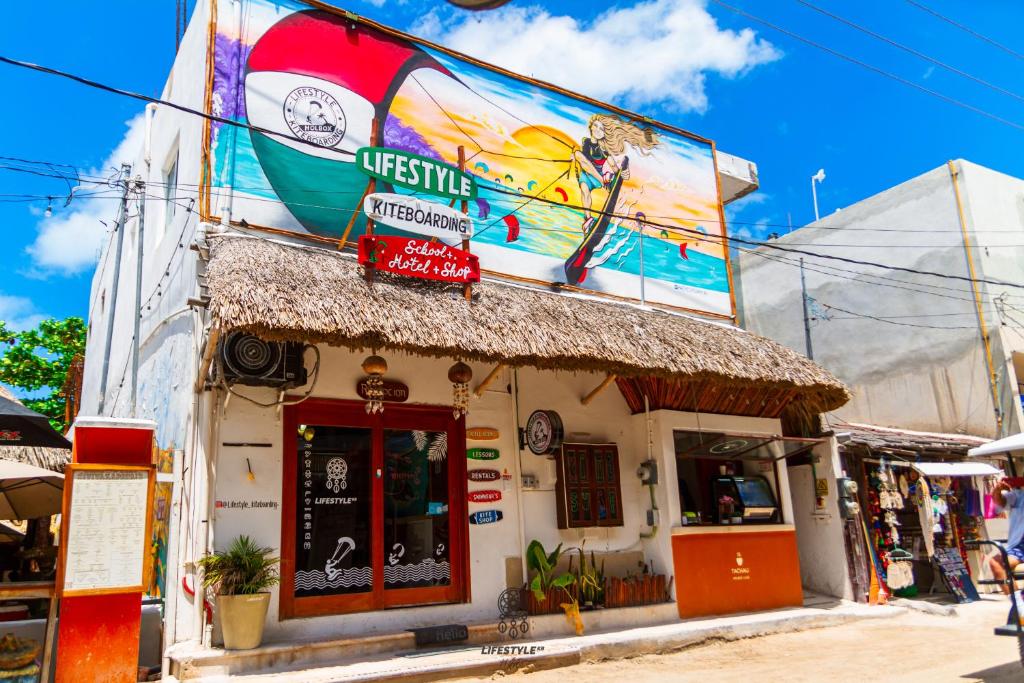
{"type": "Point", "coordinates": [204, 364]}
{"type": "Point", "coordinates": [597, 390]}
{"type": "Point", "coordinates": [372, 187]}
{"type": "Point", "coordinates": [355, 214]}
{"type": "Point", "coordinates": [468, 287]}
{"type": "Point", "coordinates": [493, 375]}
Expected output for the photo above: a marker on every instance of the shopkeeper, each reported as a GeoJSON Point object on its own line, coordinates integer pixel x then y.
{"type": "Point", "coordinates": [1012, 501]}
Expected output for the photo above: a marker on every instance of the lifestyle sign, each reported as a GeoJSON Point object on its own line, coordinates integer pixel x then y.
{"type": "Point", "coordinates": [416, 172]}
{"type": "Point", "coordinates": [418, 258]}
{"type": "Point", "coordinates": [418, 216]}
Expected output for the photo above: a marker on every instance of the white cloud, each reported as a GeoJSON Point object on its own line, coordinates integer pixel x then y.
{"type": "Point", "coordinates": [734, 209]}
{"type": "Point", "coordinates": [649, 53]}
{"type": "Point", "coordinates": [69, 241]}
{"type": "Point", "coordinates": [19, 313]}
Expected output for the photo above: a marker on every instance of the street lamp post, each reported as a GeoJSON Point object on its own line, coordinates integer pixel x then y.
{"type": "Point", "coordinates": [819, 176]}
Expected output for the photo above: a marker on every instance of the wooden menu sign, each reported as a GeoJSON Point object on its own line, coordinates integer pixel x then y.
{"type": "Point", "coordinates": [105, 530]}
{"type": "Point", "coordinates": [395, 392]}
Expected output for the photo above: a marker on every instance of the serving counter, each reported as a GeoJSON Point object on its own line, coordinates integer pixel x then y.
{"type": "Point", "coordinates": [735, 568]}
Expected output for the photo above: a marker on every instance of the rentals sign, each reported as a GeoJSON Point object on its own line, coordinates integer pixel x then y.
{"type": "Point", "coordinates": [418, 216]}
{"type": "Point", "coordinates": [415, 172]}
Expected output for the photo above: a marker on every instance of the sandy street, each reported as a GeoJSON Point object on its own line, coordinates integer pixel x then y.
{"type": "Point", "coordinates": [912, 647]}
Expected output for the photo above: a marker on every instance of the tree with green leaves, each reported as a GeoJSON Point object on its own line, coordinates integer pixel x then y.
{"type": "Point", "coordinates": [40, 359]}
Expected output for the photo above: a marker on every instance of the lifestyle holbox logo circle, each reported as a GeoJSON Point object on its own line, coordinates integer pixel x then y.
{"type": "Point", "coordinates": [315, 116]}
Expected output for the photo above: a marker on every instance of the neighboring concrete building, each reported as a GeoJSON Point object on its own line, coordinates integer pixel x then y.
{"type": "Point", "coordinates": [919, 352]}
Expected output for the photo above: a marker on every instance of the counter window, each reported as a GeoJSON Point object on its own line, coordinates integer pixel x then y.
{"type": "Point", "coordinates": [731, 478]}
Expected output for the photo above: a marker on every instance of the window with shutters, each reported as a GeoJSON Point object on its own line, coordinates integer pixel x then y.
{"type": "Point", "coordinates": [588, 489]}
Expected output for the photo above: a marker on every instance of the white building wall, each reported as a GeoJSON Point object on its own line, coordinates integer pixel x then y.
{"type": "Point", "coordinates": [908, 375]}
{"type": "Point", "coordinates": [170, 330]}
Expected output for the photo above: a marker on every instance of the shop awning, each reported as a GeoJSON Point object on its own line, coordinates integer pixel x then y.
{"type": "Point", "coordinates": [955, 469]}
{"type": "Point", "coordinates": [1000, 447]}
{"type": "Point", "coordinates": [292, 292]}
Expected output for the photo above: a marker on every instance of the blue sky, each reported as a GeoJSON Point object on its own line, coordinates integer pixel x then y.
{"type": "Point", "coordinates": [760, 95]}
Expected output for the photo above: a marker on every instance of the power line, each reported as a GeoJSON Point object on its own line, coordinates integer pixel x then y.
{"type": "Point", "coordinates": [886, 320]}
{"type": "Point", "coordinates": [966, 29]}
{"type": "Point", "coordinates": [154, 100]}
{"type": "Point", "coordinates": [910, 50]}
{"type": "Point", "coordinates": [870, 67]}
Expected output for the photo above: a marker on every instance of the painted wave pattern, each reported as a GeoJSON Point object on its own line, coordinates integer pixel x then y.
{"type": "Point", "coordinates": [425, 570]}
{"type": "Point", "coordinates": [316, 579]}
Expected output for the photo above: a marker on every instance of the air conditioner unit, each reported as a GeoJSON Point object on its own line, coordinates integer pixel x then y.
{"type": "Point", "coordinates": [247, 359]}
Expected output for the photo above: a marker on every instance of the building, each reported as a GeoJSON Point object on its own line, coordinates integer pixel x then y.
{"type": "Point", "coordinates": [932, 363]}
{"type": "Point", "coordinates": [918, 352]}
{"type": "Point", "coordinates": [402, 441]}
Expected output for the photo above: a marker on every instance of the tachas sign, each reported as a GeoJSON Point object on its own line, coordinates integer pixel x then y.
{"type": "Point", "coordinates": [561, 188]}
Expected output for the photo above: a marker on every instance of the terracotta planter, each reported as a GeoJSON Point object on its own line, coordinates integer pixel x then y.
{"type": "Point", "coordinates": [242, 618]}
{"type": "Point", "coordinates": [552, 602]}
{"type": "Point", "coordinates": [645, 589]}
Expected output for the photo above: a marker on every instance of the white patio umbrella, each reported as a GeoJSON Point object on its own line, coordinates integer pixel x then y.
{"type": "Point", "coordinates": [27, 492]}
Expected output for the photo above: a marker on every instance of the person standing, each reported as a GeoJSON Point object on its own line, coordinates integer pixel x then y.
{"type": "Point", "coordinates": [1011, 500]}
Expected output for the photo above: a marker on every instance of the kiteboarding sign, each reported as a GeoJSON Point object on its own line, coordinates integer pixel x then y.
{"type": "Point", "coordinates": [485, 517]}
{"type": "Point", "coordinates": [416, 215]}
{"type": "Point", "coordinates": [416, 172]}
{"type": "Point", "coordinates": [414, 257]}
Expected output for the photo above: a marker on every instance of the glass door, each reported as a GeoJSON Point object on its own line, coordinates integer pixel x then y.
{"type": "Point", "coordinates": [374, 511]}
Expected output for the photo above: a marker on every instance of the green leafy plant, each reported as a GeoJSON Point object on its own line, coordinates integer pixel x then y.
{"type": "Point", "coordinates": [590, 578]}
{"type": "Point", "coordinates": [543, 563]}
{"type": "Point", "coordinates": [243, 569]}
{"type": "Point", "coordinates": [40, 359]}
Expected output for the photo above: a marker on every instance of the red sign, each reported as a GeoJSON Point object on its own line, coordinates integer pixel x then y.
{"type": "Point", "coordinates": [483, 475]}
{"type": "Point", "coordinates": [10, 435]}
{"type": "Point", "coordinates": [396, 392]}
{"type": "Point", "coordinates": [489, 496]}
{"type": "Point", "coordinates": [418, 258]}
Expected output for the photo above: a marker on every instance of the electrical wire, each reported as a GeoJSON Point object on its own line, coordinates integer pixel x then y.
{"type": "Point", "coordinates": [886, 320]}
{"type": "Point", "coordinates": [869, 67]}
{"type": "Point", "coordinates": [910, 50]}
{"type": "Point", "coordinates": [965, 29]}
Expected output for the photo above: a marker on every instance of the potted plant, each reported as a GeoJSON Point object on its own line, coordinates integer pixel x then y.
{"type": "Point", "coordinates": [545, 586]}
{"type": "Point", "coordinates": [241, 577]}
{"type": "Point", "coordinates": [589, 580]}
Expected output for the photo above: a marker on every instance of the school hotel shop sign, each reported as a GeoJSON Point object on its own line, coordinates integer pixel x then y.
{"type": "Point", "coordinates": [414, 257]}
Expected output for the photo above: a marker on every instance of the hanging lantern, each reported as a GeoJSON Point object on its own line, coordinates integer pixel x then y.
{"type": "Point", "coordinates": [460, 375]}
{"type": "Point", "coordinates": [375, 367]}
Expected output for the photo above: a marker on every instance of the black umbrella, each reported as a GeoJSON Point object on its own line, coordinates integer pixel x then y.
{"type": "Point", "coordinates": [20, 426]}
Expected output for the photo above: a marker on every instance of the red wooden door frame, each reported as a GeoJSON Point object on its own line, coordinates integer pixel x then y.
{"type": "Point", "coordinates": [342, 413]}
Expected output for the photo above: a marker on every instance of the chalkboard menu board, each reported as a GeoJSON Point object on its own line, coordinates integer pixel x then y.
{"type": "Point", "coordinates": [106, 529]}
{"type": "Point", "coordinates": [954, 574]}
{"type": "Point", "coordinates": [334, 512]}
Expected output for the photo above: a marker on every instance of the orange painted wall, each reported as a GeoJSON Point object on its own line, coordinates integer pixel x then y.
{"type": "Point", "coordinates": [723, 573]}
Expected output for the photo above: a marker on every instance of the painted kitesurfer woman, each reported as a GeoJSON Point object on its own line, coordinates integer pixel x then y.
{"type": "Point", "coordinates": [601, 155]}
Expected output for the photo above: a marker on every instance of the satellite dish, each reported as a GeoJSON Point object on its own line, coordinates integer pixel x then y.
{"type": "Point", "coordinates": [476, 5]}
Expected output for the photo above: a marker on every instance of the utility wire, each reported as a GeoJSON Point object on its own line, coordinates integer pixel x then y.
{"type": "Point", "coordinates": [870, 67]}
{"type": "Point", "coordinates": [891, 322]}
{"type": "Point", "coordinates": [965, 29]}
{"type": "Point", "coordinates": [910, 50]}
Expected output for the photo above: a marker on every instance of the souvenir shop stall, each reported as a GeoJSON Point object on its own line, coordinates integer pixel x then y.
{"type": "Point", "coordinates": [920, 501]}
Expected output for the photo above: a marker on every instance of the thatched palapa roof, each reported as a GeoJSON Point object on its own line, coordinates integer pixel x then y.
{"type": "Point", "coordinates": [289, 292]}
{"type": "Point", "coordinates": [48, 458]}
